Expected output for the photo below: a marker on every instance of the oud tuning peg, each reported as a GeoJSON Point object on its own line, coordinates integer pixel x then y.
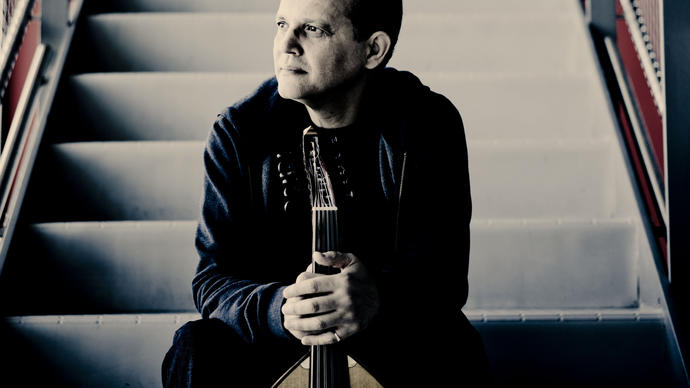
{"type": "Point", "coordinates": [284, 166]}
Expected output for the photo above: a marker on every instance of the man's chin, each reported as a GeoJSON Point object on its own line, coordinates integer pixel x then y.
{"type": "Point", "coordinates": [290, 92]}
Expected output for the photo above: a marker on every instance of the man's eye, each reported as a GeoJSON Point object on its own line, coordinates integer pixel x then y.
{"type": "Point", "coordinates": [281, 24]}
{"type": "Point", "coordinates": [313, 30]}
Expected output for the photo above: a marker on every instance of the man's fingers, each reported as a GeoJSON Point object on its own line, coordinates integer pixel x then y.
{"type": "Point", "coordinates": [317, 305]}
{"type": "Point", "coordinates": [334, 259]}
{"type": "Point", "coordinates": [326, 338]}
{"type": "Point", "coordinates": [306, 275]}
{"type": "Point", "coordinates": [310, 286]}
{"type": "Point", "coordinates": [318, 323]}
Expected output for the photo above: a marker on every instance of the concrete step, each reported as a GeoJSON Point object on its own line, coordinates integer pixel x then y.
{"type": "Point", "coordinates": [153, 106]}
{"type": "Point", "coordinates": [521, 43]}
{"type": "Point", "coordinates": [183, 106]}
{"type": "Point", "coordinates": [490, 42]}
{"type": "Point", "coordinates": [594, 353]}
{"type": "Point", "coordinates": [106, 267]}
{"type": "Point", "coordinates": [91, 350]}
{"type": "Point", "coordinates": [272, 6]}
{"type": "Point", "coordinates": [542, 179]}
{"type": "Point", "coordinates": [182, 42]}
{"type": "Point", "coordinates": [553, 264]}
{"type": "Point", "coordinates": [90, 181]}
{"type": "Point", "coordinates": [526, 106]}
{"type": "Point", "coordinates": [101, 267]}
{"type": "Point", "coordinates": [163, 180]}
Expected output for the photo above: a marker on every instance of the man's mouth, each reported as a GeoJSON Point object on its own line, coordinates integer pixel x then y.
{"type": "Point", "coordinates": [293, 69]}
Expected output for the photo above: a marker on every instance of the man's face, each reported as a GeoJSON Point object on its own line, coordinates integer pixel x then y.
{"type": "Point", "coordinates": [315, 55]}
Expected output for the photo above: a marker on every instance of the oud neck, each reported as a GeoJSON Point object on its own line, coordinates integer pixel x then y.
{"type": "Point", "coordinates": [328, 364]}
{"type": "Point", "coordinates": [326, 230]}
{"type": "Point", "coordinates": [328, 367]}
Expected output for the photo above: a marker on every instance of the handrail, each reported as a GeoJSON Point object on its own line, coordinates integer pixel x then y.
{"type": "Point", "coordinates": [633, 53]}
{"type": "Point", "coordinates": [624, 94]}
{"type": "Point", "coordinates": [47, 60]}
{"type": "Point", "coordinates": [640, 44]}
{"type": "Point", "coordinates": [649, 58]}
{"type": "Point", "coordinates": [9, 45]}
{"type": "Point", "coordinates": [12, 151]}
{"type": "Point", "coordinates": [638, 130]}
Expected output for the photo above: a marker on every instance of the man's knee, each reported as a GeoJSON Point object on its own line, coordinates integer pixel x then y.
{"type": "Point", "coordinates": [204, 331]}
{"type": "Point", "coordinates": [198, 354]}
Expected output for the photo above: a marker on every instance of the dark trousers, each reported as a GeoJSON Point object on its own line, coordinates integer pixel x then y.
{"type": "Point", "coordinates": [208, 353]}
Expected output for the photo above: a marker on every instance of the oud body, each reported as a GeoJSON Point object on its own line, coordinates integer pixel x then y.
{"type": "Point", "coordinates": [356, 376]}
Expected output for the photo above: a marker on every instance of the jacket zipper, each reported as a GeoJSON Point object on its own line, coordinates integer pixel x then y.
{"type": "Point", "coordinates": [396, 240]}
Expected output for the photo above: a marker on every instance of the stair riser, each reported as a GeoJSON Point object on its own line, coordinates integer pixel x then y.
{"type": "Point", "coordinates": [163, 181]}
{"type": "Point", "coordinates": [551, 265]}
{"type": "Point", "coordinates": [542, 6]}
{"type": "Point", "coordinates": [121, 181]}
{"type": "Point", "coordinates": [103, 268]}
{"type": "Point", "coordinates": [131, 267]}
{"type": "Point", "coordinates": [144, 106]}
{"type": "Point", "coordinates": [527, 180]}
{"type": "Point", "coordinates": [219, 42]}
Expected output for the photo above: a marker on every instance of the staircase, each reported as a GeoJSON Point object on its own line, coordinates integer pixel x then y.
{"type": "Point", "coordinates": [563, 287]}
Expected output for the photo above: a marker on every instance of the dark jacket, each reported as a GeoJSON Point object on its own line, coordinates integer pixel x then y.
{"type": "Point", "coordinates": [250, 249]}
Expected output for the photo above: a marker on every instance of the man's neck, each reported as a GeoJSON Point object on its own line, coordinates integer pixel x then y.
{"type": "Point", "coordinates": [339, 111]}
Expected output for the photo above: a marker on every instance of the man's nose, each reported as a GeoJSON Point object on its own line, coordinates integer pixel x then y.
{"type": "Point", "coordinates": [288, 42]}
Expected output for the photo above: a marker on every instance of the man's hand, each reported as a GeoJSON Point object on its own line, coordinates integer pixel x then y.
{"type": "Point", "coordinates": [324, 309]}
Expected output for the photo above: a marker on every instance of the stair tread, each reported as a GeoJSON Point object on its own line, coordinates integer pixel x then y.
{"type": "Point", "coordinates": [558, 350]}
{"type": "Point", "coordinates": [641, 312]}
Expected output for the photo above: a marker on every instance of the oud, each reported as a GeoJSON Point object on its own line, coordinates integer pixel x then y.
{"type": "Point", "coordinates": [325, 366]}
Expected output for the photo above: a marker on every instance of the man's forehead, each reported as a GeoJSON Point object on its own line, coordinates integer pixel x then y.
{"type": "Point", "coordinates": [325, 10]}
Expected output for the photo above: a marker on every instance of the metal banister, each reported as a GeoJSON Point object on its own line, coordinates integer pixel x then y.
{"type": "Point", "coordinates": [17, 136]}
{"type": "Point", "coordinates": [643, 49]}
{"type": "Point", "coordinates": [58, 19]}
{"type": "Point", "coordinates": [11, 41]}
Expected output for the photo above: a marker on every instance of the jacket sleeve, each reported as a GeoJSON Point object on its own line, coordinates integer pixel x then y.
{"type": "Point", "coordinates": [226, 285]}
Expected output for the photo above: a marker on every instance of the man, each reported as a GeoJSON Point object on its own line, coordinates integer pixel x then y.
{"type": "Point", "coordinates": [400, 153]}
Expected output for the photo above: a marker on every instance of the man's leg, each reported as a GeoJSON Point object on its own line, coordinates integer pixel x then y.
{"type": "Point", "coordinates": [208, 353]}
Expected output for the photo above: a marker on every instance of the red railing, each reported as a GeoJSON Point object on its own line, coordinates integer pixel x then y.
{"type": "Point", "coordinates": [636, 53]}
{"type": "Point", "coordinates": [643, 46]}
{"type": "Point", "coordinates": [21, 35]}
{"type": "Point", "coordinates": [639, 43]}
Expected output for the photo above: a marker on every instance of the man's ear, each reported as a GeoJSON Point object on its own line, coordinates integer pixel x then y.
{"type": "Point", "coordinates": [378, 44]}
